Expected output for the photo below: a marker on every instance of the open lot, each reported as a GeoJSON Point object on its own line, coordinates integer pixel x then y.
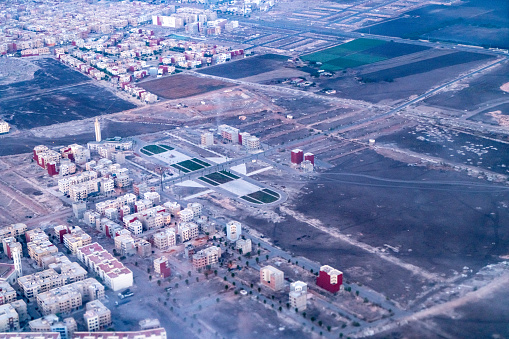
{"type": "Point", "coordinates": [247, 67]}
{"type": "Point", "coordinates": [480, 91]}
{"type": "Point", "coordinates": [472, 18]}
{"type": "Point", "coordinates": [454, 146]}
{"type": "Point", "coordinates": [61, 105]}
{"type": "Point", "coordinates": [52, 74]}
{"type": "Point", "coordinates": [182, 86]}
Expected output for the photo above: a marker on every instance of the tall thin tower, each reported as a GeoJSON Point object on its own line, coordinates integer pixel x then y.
{"type": "Point", "coordinates": [97, 130]}
{"type": "Point", "coordinates": [16, 253]}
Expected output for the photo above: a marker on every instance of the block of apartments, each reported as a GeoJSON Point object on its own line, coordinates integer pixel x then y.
{"type": "Point", "coordinates": [114, 274]}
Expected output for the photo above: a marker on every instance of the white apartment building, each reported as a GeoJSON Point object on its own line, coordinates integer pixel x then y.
{"type": "Point", "coordinates": [196, 207]}
{"type": "Point", "coordinates": [7, 293]}
{"type": "Point", "coordinates": [207, 139]}
{"type": "Point", "coordinates": [9, 318]}
{"type": "Point", "coordinates": [244, 245]}
{"type": "Point", "coordinates": [69, 298]}
{"type": "Point", "coordinates": [97, 316]}
{"type": "Point", "coordinates": [165, 239]}
{"type": "Point", "coordinates": [233, 230]}
{"type": "Point", "coordinates": [65, 184]}
{"type": "Point", "coordinates": [4, 127]}
{"type": "Point", "coordinates": [51, 323]}
{"type": "Point", "coordinates": [114, 274]}
{"type": "Point", "coordinates": [76, 238]}
{"type": "Point", "coordinates": [186, 215]}
{"type": "Point", "coordinates": [13, 230]}
{"type": "Point", "coordinates": [298, 295]}
{"type": "Point", "coordinates": [188, 231]}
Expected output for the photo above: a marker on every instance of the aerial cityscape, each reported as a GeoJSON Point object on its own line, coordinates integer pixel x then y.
{"type": "Point", "coordinates": [254, 169]}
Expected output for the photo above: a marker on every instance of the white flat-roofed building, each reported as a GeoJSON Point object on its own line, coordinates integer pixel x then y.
{"type": "Point", "coordinates": [97, 316]}
{"type": "Point", "coordinates": [233, 230]}
{"type": "Point", "coordinates": [186, 215]}
{"type": "Point", "coordinates": [298, 295]}
{"type": "Point", "coordinates": [114, 274]}
{"type": "Point", "coordinates": [76, 238]}
{"type": "Point", "coordinates": [9, 318]}
{"type": "Point", "coordinates": [13, 230]}
{"type": "Point", "coordinates": [157, 333]}
{"type": "Point", "coordinates": [7, 293]}
{"type": "Point", "coordinates": [188, 231]}
{"type": "Point", "coordinates": [51, 323]}
{"type": "Point", "coordinates": [69, 298]}
{"type": "Point", "coordinates": [244, 245]}
{"type": "Point", "coordinates": [207, 139]}
{"type": "Point", "coordinates": [196, 207]}
{"type": "Point", "coordinates": [4, 127]}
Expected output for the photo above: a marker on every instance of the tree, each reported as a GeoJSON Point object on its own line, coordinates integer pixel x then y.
{"type": "Point", "coordinates": [197, 279]}
{"type": "Point", "coordinates": [226, 287]}
{"type": "Point", "coordinates": [148, 270]}
{"type": "Point", "coordinates": [267, 257]}
{"type": "Point", "coordinates": [189, 273]}
{"type": "Point", "coordinates": [328, 328]}
{"type": "Point", "coordinates": [215, 273]}
{"type": "Point", "coordinates": [187, 282]}
{"type": "Point", "coordinates": [159, 282]}
{"type": "Point", "coordinates": [217, 300]}
{"type": "Point", "coordinates": [304, 314]}
{"type": "Point", "coordinates": [150, 277]}
{"type": "Point", "coordinates": [320, 323]}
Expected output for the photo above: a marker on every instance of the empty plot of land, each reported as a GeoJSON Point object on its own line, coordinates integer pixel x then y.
{"type": "Point", "coordinates": [247, 67]}
{"type": "Point", "coordinates": [182, 86]}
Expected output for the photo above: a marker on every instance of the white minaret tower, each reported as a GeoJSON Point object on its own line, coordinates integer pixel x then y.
{"type": "Point", "coordinates": [16, 256]}
{"type": "Point", "coordinates": [97, 130]}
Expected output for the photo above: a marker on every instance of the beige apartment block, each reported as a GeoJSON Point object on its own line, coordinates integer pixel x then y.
{"type": "Point", "coordinates": [9, 319]}
{"type": "Point", "coordinates": [76, 239]}
{"type": "Point", "coordinates": [165, 239]}
{"type": "Point", "coordinates": [7, 293]}
{"type": "Point", "coordinates": [97, 316]}
{"type": "Point", "coordinates": [208, 256]}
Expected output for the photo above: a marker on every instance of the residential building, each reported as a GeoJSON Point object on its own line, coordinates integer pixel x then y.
{"type": "Point", "coordinates": [38, 249]}
{"type": "Point", "coordinates": [310, 157]}
{"type": "Point", "coordinates": [162, 267]}
{"type": "Point", "coordinates": [76, 238]}
{"type": "Point", "coordinates": [9, 318]}
{"type": "Point", "coordinates": [143, 247]}
{"type": "Point", "coordinates": [207, 139]}
{"type": "Point", "coordinates": [21, 308]}
{"type": "Point", "coordinates": [233, 230]}
{"type": "Point", "coordinates": [51, 323]}
{"type": "Point", "coordinates": [329, 279]}
{"type": "Point", "coordinates": [97, 316]}
{"type": "Point", "coordinates": [186, 215]}
{"type": "Point", "coordinates": [114, 274]}
{"type": "Point", "coordinates": [158, 333]}
{"type": "Point", "coordinates": [297, 156]}
{"type": "Point", "coordinates": [13, 230]}
{"type": "Point", "coordinates": [32, 335]}
{"type": "Point", "coordinates": [188, 231]}
{"type": "Point", "coordinates": [298, 295]}
{"type": "Point", "coordinates": [272, 277]}
{"type": "Point", "coordinates": [7, 293]}
{"type": "Point", "coordinates": [244, 246]}
{"type": "Point", "coordinates": [124, 244]}
{"type": "Point", "coordinates": [165, 239]}
{"type": "Point", "coordinates": [148, 324]}
{"type": "Point", "coordinates": [4, 127]}
{"type": "Point", "coordinates": [205, 257]}
{"type": "Point", "coordinates": [8, 273]}
{"type": "Point", "coordinates": [69, 298]}
{"type": "Point", "coordinates": [252, 143]}
{"type": "Point", "coordinates": [196, 207]}
{"type": "Point", "coordinates": [228, 133]}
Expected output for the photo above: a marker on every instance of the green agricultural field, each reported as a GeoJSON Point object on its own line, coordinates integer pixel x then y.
{"type": "Point", "coordinates": [271, 192]}
{"type": "Point", "coordinates": [352, 54]}
{"type": "Point", "coordinates": [169, 148]}
{"type": "Point", "coordinates": [155, 149]}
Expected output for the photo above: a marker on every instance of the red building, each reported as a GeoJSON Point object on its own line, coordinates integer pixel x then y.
{"type": "Point", "coordinates": [329, 279]}
{"type": "Point", "coordinates": [297, 156]}
{"type": "Point", "coordinates": [52, 168]}
{"type": "Point", "coordinates": [310, 157]}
